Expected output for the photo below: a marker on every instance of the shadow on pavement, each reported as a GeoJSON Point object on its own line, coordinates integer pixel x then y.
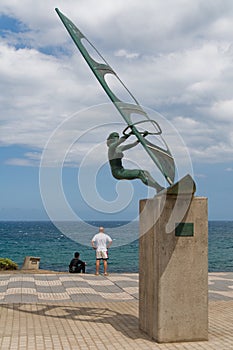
{"type": "Point", "coordinates": [125, 323]}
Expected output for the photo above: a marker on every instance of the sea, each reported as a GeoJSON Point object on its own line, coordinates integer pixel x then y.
{"type": "Point", "coordinates": [55, 244]}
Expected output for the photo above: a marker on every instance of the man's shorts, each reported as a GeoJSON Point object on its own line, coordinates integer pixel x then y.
{"type": "Point", "coordinates": [101, 254]}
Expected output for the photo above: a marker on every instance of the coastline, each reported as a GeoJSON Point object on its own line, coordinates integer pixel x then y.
{"type": "Point", "coordinates": [44, 240]}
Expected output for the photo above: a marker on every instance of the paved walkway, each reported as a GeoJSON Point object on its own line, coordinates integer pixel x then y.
{"type": "Point", "coordinates": [64, 311]}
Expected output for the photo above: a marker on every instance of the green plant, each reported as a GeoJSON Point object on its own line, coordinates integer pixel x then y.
{"type": "Point", "coordinates": [7, 264]}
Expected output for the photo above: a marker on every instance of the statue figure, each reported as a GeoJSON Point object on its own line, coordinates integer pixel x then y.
{"type": "Point", "coordinates": [115, 155]}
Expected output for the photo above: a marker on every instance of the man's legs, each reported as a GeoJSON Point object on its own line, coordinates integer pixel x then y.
{"type": "Point", "coordinates": [97, 266]}
{"type": "Point", "coordinates": [105, 266]}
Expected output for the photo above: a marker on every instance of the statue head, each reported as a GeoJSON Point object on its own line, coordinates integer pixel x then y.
{"type": "Point", "coordinates": [112, 137]}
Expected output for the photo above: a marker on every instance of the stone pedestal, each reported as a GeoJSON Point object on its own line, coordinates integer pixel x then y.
{"type": "Point", "coordinates": [173, 269]}
{"type": "Point", "coordinates": [31, 263]}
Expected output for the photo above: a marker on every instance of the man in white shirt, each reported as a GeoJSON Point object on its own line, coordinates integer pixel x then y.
{"type": "Point", "coordinates": [101, 242]}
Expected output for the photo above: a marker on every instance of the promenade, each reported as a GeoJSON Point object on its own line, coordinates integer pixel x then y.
{"type": "Point", "coordinates": [65, 311]}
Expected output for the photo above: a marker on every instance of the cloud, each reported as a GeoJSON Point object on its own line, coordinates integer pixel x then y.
{"type": "Point", "coordinates": [22, 162]}
{"type": "Point", "coordinates": [178, 62]}
{"type": "Point", "coordinates": [126, 54]}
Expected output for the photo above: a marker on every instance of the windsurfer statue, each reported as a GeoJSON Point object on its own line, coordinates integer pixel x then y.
{"type": "Point", "coordinates": [115, 155]}
{"type": "Point", "coordinates": [160, 154]}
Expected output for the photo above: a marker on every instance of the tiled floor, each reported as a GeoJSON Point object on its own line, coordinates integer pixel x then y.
{"type": "Point", "coordinates": [84, 288]}
{"type": "Point", "coordinates": [68, 287]}
{"type": "Point", "coordinates": [63, 311]}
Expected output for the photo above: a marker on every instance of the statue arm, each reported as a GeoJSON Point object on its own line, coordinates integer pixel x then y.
{"type": "Point", "coordinates": [130, 145]}
{"type": "Point", "coordinates": [115, 144]}
{"type": "Point", "coordinates": [122, 139]}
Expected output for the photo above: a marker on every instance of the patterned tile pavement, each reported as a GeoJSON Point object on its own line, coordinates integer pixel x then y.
{"type": "Point", "coordinates": [67, 287]}
{"type": "Point", "coordinates": [64, 311]}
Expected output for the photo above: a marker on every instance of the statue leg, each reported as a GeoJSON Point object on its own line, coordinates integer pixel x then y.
{"type": "Point", "coordinates": [132, 174]}
{"type": "Point", "coordinates": [148, 180]}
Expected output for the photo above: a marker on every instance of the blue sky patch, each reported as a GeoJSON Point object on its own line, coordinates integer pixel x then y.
{"type": "Point", "coordinates": [11, 24]}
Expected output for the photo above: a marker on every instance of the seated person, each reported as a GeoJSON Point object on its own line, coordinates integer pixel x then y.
{"type": "Point", "coordinates": [76, 265]}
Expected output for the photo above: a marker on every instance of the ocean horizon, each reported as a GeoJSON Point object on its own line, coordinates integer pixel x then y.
{"type": "Point", "coordinates": [55, 245]}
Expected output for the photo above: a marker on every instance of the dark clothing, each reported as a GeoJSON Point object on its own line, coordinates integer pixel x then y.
{"type": "Point", "coordinates": [76, 266]}
{"type": "Point", "coordinates": [116, 163]}
{"type": "Point", "coordinates": [120, 173]}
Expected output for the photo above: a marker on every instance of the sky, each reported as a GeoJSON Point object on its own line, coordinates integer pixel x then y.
{"type": "Point", "coordinates": [175, 56]}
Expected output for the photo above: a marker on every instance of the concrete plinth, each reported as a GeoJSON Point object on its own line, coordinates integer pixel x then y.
{"type": "Point", "coordinates": [31, 263]}
{"type": "Point", "coordinates": [173, 270]}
